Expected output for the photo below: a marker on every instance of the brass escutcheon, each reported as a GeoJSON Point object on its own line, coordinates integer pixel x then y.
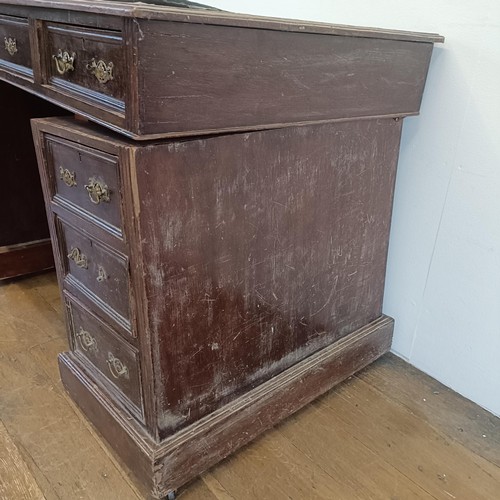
{"type": "Point", "coordinates": [102, 71]}
{"type": "Point", "coordinates": [116, 367]}
{"type": "Point", "coordinates": [68, 177]}
{"type": "Point", "coordinates": [10, 45]}
{"type": "Point", "coordinates": [64, 61]}
{"type": "Point", "coordinates": [86, 340]}
{"type": "Point", "coordinates": [98, 191]}
{"type": "Point", "coordinates": [78, 258]}
{"type": "Point", "coordinates": [101, 274]}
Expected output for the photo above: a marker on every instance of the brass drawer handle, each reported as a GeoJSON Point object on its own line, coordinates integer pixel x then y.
{"type": "Point", "coordinates": [68, 177]}
{"type": "Point", "coordinates": [101, 274]}
{"type": "Point", "coordinates": [64, 61]}
{"type": "Point", "coordinates": [98, 191]}
{"type": "Point", "coordinates": [10, 45]}
{"type": "Point", "coordinates": [86, 340]}
{"type": "Point", "coordinates": [78, 258]}
{"type": "Point", "coordinates": [102, 71]}
{"type": "Point", "coordinates": [116, 367]}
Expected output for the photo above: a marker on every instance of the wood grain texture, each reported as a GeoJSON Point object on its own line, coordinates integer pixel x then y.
{"type": "Point", "coordinates": [374, 476]}
{"type": "Point", "coordinates": [176, 76]}
{"type": "Point", "coordinates": [269, 246]}
{"type": "Point", "coordinates": [258, 273]}
{"type": "Point", "coordinates": [34, 409]}
{"type": "Point", "coordinates": [16, 480]}
{"type": "Point", "coordinates": [458, 418]}
{"type": "Point", "coordinates": [167, 466]}
{"type": "Point", "coordinates": [308, 456]}
{"type": "Point", "coordinates": [257, 259]}
{"type": "Point", "coordinates": [443, 468]}
{"type": "Point", "coordinates": [281, 199]}
{"type": "Point", "coordinates": [219, 78]}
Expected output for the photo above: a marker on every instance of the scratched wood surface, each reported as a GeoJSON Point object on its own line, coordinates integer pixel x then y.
{"type": "Point", "coordinates": [187, 72]}
{"type": "Point", "coordinates": [273, 250]}
{"type": "Point", "coordinates": [389, 432]}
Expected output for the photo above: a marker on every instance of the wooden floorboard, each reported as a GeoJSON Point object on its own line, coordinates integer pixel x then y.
{"type": "Point", "coordinates": [440, 407]}
{"type": "Point", "coordinates": [16, 480]}
{"type": "Point", "coordinates": [390, 432]}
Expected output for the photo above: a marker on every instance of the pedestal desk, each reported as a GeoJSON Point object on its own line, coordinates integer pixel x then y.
{"type": "Point", "coordinates": [220, 224]}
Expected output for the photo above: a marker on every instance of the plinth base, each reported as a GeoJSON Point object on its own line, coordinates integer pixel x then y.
{"type": "Point", "coordinates": [166, 466]}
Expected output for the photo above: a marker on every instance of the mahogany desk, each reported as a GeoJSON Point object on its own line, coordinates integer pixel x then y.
{"type": "Point", "coordinates": [220, 232]}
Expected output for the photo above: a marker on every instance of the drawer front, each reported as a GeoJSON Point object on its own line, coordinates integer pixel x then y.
{"type": "Point", "coordinates": [101, 270]}
{"type": "Point", "coordinates": [116, 362]}
{"type": "Point", "coordinates": [15, 51]}
{"type": "Point", "coordinates": [88, 62]}
{"type": "Point", "coordinates": [85, 180]}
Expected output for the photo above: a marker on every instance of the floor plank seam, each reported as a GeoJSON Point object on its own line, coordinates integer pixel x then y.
{"type": "Point", "coordinates": [24, 453]}
{"type": "Point", "coordinates": [388, 463]}
{"type": "Point", "coordinates": [438, 431]}
{"type": "Point", "coordinates": [88, 426]}
{"type": "Point", "coordinates": [309, 458]}
{"type": "Point", "coordinates": [208, 479]}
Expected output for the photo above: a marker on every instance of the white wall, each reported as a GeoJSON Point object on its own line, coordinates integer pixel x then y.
{"type": "Point", "coordinates": [443, 282]}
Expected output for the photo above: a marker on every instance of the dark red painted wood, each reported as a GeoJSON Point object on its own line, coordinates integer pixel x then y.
{"type": "Point", "coordinates": [15, 48]}
{"type": "Point", "coordinates": [164, 467]}
{"type": "Point", "coordinates": [23, 223]}
{"type": "Point", "coordinates": [267, 246]}
{"type": "Point", "coordinates": [84, 164]}
{"type": "Point", "coordinates": [251, 264]}
{"type": "Point", "coordinates": [178, 74]}
{"type": "Point", "coordinates": [25, 258]}
{"type": "Point", "coordinates": [100, 270]}
{"type": "Point", "coordinates": [202, 78]}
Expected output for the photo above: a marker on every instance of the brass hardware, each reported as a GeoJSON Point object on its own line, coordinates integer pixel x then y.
{"type": "Point", "coordinates": [78, 258]}
{"type": "Point", "coordinates": [98, 191]}
{"type": "Point", "coordinates": [68, 177]}
{"type": "Point", "coordinates": [101, 274]}
{"type": "Point", "coordinates": [116, 367]}
{"type": "Point", "coordinates": [102, 71]}
{"type": "Point", "coordinates": [10, 45]}
{"type": "Point", "coordinates": [86, 340]}
{"type": "Point", "coordinates": [64, 61]}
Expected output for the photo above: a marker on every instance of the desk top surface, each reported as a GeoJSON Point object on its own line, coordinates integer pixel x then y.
{"type": "Point", "coordinates": [193, 13]}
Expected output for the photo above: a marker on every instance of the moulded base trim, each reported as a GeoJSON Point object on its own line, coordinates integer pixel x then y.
{"type": "Point", "coordinates": [25, 258]}
{"type": "Point", "coordinates": [166, 466]}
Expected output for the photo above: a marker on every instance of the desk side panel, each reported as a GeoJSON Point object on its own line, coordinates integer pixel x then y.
{"type": "Point", "coordinates": [258, 250]}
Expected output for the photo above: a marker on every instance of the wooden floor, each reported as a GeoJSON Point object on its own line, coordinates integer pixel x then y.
{"type": "Point", "coordinates": [390, 432]}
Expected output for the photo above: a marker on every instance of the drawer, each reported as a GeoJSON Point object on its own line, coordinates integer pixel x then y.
{"type": "Point", "coordinates": [87, 62]}
{"type": "Point", "coordinates": [100, 269]}
{"type": "Point", "coordinates": [115, 363]}
{"type": "Point", "coordinates": [86, 181]}
{"type": "Point", "coordinates": [15, 51]}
